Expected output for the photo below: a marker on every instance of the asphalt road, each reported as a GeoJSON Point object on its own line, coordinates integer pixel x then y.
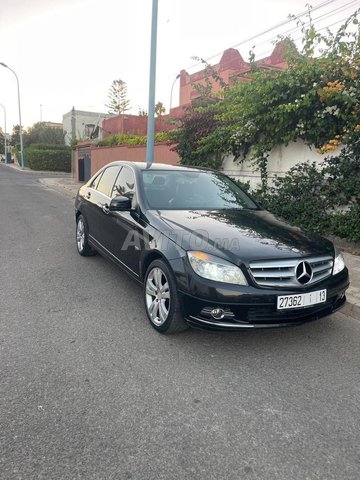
{"type": "Point", "coordinates": [90, 391]}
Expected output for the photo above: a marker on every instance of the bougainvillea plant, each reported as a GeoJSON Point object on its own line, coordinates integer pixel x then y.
{"type": "Point", "coordinates": [316, 99]}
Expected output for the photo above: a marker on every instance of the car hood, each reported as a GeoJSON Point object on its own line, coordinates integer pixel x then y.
{"type": "Point", "coordinates": [239, 235]}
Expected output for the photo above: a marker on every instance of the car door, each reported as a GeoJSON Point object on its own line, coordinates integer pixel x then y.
{"type": "Point", "coordinates": [98, 198]}
{"type": "Point", "coordinates": [127, 231]}
{"type": "Point", "coordinates": [89, 203]}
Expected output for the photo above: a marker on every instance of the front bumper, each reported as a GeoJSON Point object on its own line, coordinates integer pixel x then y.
{"type": "Point", "coordinates": [250, 307]}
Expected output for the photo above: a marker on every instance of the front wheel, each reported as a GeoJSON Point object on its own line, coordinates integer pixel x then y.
{"type": "Point", "coordinates": [161, 299]}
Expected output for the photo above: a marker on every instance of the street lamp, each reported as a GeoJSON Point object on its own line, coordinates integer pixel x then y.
{"type": "Point", "coordinates": [1, 105]}
{"type": "Point", "coordinates": [20, 126]}
{"type": "Point", "coordinates": [152, 80]}
{"type": "Point", "coordinates": [171, 91]}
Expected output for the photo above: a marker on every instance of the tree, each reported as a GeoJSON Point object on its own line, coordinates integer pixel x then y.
{"type": "Point", "coordinates": [118, 103]}
{"type": "Point", "coordinates": [142, 112]}
{"type": "Point", "coordinates": [42, 133]}
{"type": "Point", "coordinates": [159, 109]}
{"type": "Point", "coordinates": [15, 136]}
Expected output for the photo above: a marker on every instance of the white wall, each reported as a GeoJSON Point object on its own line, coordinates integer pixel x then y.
{"type": "Point", "coordinates": [280, 160]}
{"type": "Point", "coordinates": [82, 118]}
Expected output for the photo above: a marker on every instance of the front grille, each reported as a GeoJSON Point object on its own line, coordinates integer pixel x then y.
{"type": "Point", "coordinates": [282, 273]}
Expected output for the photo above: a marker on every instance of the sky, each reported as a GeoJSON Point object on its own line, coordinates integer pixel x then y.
{"type": "Point", "coordinates": [67, 52]}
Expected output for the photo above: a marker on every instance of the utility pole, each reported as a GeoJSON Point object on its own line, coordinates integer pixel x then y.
{"type": "Point", "coordinates": [171, 91]}
{"type": "Point", "coordinates": [73, 125]}
{"type": "Point", "coordinates": [20, 125]}
{"type": "Point", "coordinates": [5, 140]}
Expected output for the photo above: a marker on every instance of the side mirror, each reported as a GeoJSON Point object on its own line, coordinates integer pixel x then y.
{"type": "Point", "coordinates": [120, 204]}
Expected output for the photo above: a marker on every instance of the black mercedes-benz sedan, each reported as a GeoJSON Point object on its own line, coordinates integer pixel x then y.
{"type": "Point", "coordinates": [206, 253]}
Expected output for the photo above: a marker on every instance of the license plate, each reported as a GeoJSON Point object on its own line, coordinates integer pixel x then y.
{"type": "Point", "coordinates": [301, 300]}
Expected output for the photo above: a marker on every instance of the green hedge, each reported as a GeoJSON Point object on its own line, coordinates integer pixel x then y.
{"type": "Point", "coordinates": [53, 158]}
{"type": "Point", "coordinates": [132, 139]}
{"type": "Point", "coordinates": [46, 146]}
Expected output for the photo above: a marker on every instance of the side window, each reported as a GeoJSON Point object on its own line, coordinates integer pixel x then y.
{"type": "Point", "coordinates": [124, 184]}
{"type": "Point", "coordinates": [94, 183]}
{"type": "Point", "coordinates": [107, 180]}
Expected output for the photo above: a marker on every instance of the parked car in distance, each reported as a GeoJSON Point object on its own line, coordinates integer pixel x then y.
{"type": "Point", "coordinates": [206, 253]}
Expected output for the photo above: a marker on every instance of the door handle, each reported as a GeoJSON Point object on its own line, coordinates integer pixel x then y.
{"type": "Point", "coordinates": [106, 209]}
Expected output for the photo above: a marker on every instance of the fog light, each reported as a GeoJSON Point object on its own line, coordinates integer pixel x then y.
{"type": "Point", "coordinates": [218, 313]}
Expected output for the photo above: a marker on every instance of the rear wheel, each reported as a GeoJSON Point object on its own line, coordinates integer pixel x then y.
{"type": "Point", "coordinates": [82, 242]}
{"type": "Point", "coordinates": [161, 299]}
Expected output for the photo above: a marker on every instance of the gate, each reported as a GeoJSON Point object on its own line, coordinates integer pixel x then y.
{"type": "Point", "coordinates": [81, 169]}
{"type": "Point", "coordinates": [84, 163]}
{"type": "Point", "coordinates": [87, 167]}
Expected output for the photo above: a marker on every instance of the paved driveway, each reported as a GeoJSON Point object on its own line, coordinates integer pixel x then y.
{"type": "Point", "coordinates": [90, 391]}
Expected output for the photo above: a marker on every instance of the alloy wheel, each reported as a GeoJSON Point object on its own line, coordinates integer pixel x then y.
{"type": "Point", "coordinates": [80, 235]}
{"type": "Point", "coordinates": [157, 296]}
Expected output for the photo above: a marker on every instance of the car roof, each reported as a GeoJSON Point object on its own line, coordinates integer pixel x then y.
{"type": "Point", "coordinates": [160, 166]}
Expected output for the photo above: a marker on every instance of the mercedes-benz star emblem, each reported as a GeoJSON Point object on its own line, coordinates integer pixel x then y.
{"type": "Point", "coordinates": [304, 273]}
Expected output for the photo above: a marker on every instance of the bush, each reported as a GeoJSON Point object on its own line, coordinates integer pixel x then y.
{"type": "Point", "coordinates": [46, 146]}
{"type": "Point", "coordinates": [197, 125]}
{"type": "Point", "coordinates": [298, 197]}
{"type": "Point", "coordinates": [131, 139]}
{"type": "Point", "coordinates": [48, 157]}
{"type": "Point", "coordinates": [325, 200]}
{"type": "Point", "coordinates": [243, 185]}
{"type": "Point", "coordinates": [347, 224]}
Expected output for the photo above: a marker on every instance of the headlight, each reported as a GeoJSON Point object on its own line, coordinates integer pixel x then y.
{"type": "Point", "coordinates": [339, 263]}
{"type": "Point", "coordinates": [214, 268]}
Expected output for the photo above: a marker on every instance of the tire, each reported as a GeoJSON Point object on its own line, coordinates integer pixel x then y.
{"type": "Point", "coordinates": [82, 242]}
{"type": "Point", "coordinates": [162, 304]}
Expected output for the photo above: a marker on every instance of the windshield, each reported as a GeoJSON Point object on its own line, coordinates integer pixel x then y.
{"type": "Point", "coordinates": [185, 190]}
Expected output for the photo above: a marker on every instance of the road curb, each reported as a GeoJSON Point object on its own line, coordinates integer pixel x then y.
{"type": "Point", "coordinates": [70, 190]}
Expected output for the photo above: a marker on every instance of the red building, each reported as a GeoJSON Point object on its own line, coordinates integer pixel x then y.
{"type": "Point", "coordinates": [231, 66]}
{"type": "Point", "coordinates": [134, 124]}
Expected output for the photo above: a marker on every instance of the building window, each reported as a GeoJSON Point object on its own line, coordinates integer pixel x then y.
{"type": "Point", "coordinates": [89, 129]}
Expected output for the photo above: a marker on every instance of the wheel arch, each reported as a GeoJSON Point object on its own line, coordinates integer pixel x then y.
{"type": "Point", "coordinates": [150, 257]}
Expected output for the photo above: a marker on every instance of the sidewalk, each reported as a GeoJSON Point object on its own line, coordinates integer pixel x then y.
{"type": "Point", "coordinates": [66, 185]}
{"type": "Point", "coordinates": [352, 306]}
{"type": "Point", "coordinates": [60, 181]}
